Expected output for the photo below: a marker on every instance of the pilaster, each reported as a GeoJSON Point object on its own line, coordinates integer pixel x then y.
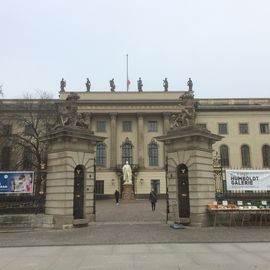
{"type": "Point", "coordinates": [140, 140]}
{"type": "Point", "coordinates": [113, 154]}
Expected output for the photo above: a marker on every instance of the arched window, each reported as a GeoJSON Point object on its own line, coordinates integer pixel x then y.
{"type": "Point", "coordinates": [153, 153]}
{"type": "Point", "coordinates": [266, 155]}
{"type": "Point", "coordinates": [224, 155]}
{"type": "Point", "coordinates": [101, 154]}
{"type": "Point", "coordinates": [245, 155]}
{"type": "Point", "coordinates": [5, 158]}
{"type": "Point", "coordinates": [127, 151]}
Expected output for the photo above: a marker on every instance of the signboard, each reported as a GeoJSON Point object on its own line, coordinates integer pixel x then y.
{"type": "Point", "coordinates": [255, 180]}
{"type": "Point", "coordinates": [16, 182]}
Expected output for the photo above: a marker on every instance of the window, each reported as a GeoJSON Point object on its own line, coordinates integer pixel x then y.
{"type": "Point", "coordinates": [101, 126]}
{"type": "Point", "coordinates": [153, 154]}
{"type": "Point", "coordinates": [266, 155]}
{"type": "Point", "coordinates": [222, 128]}
{"type": "Point", "coordinates": [264, 128]}
{"type": "Point", "coordinates": [101, 154]}
{"type": "Point", "coordinates": [127, 152]}
{"type": "Point", "coordinates": [152, 126]}
{"type": "Point", "coordinates": [243, 128]}
{"type": "Point", "coordinates": [7, 130]}
{"type": "Point", "coordinates": [29, 130]}
{"type": "Point", "coordinates": [5, 158]}
{"type": "Point", "coordinates": [27, 158]}
{"type": "Point", "coordinates": [245, 155]}
{"type": "Point", "coordinates": [127, 126]}
{"type": "Point", "coordinates": [202, 125]}
{"type": "Point", "coordinates": [155, 184]}
{"type": "Point", "coordinates": [100, 187]}
{"type": "Point", "coordinates": [224, 155]}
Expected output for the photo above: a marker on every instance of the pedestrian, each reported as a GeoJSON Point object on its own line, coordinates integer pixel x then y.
{"type": "Point", "coordinates": [153, 199]}
{"type": "Point", "coordinates": [116, 195]}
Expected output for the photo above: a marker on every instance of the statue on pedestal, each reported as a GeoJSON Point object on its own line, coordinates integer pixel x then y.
{"type": "Point", "coordinates": [186, 115]}
{"type": "Point", "coordinates": [127, 174]}
{"type": "Point", "coordinates": [68, 113]}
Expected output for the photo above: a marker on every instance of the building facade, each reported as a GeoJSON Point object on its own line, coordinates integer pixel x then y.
{"type": "Point", "coordinates": [131, 121]}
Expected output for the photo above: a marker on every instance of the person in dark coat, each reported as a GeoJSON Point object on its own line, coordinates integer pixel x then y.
{"type": "Point", "coordinates": [153, 199]}
{"type": "Point", "coordinates": [116, 195]}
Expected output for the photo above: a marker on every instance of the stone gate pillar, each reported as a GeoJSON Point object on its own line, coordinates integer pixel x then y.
{"type": "Point", "coordinates": [69, 147]}
{"type": "Point", "coordinates": [190, 146]}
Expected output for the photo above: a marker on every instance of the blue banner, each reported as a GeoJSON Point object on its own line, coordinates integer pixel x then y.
{"type": "Point", "coordinates": [16, 182]}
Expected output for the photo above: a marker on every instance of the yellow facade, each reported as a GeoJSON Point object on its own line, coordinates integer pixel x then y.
{"type": "Point", "coordinates": [139, 108]}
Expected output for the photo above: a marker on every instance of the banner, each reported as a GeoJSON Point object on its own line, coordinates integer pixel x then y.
{"type": "Point", "coordinates": [255, 180]}
{"type": "Point", "coordinates": [16, 182]}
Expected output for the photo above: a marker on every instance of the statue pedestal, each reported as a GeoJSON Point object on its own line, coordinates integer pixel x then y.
{"type": "Point", "coordinates": [128, 193]}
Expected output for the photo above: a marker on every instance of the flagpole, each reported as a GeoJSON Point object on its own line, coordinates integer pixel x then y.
{"type": "Point", "coordinates": [127, 73]}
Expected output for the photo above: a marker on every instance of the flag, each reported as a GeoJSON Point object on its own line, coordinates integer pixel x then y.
{"type": "Point", "coordinates": [128, 84]}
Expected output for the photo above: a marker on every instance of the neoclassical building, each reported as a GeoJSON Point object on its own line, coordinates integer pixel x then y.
{"type": "Point", "coordinates": [131, 122]}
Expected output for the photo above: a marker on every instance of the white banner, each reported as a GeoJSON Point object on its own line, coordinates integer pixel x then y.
{"type": "Point", "coordinates": [248, 180]}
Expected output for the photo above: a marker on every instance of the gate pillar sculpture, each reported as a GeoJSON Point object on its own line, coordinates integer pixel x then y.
{"type": "Point", "coordinates": [70, 168]}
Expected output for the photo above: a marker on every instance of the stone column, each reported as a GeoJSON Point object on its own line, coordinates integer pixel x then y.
{"type": "Point", "coordinates": [166, 122]}
{"type": "Point", "coordinates": [113, 154]}
{"type": "Point", "coordinates": [166, 128]}
{"type": "Point", "coordinates": [89, 118]}
{"type": "Point", "coordinates": [140, 140]}
{"type": "Point", "coordinates": [69, 147]}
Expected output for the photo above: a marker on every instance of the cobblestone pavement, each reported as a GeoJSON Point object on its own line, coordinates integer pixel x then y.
{"type": "Point", "coordinates": [132, 223]}
{"type": "Point", "coordinates": [136, 211]}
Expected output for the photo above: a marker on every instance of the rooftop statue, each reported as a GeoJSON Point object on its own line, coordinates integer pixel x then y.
{"type": "Point", "coordinates": [88, 85]}
{"type": "Point", "coordinates": [140, 84]}
{"type": "Point", "coordinates": [165, 84]}
{"type": "Point", "coordinates": [112, 85]}
{"type": "Point", "coordinates": [62, 85]}
{"type": "Point", "coordinates": [190, 84]}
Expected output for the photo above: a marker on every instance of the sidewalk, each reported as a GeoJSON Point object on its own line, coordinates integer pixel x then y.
{"type": "Point", "coordinates": [239, 256]}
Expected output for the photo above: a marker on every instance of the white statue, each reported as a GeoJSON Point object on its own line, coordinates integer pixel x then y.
{"type": "Point", "coordinates": [127, 173]}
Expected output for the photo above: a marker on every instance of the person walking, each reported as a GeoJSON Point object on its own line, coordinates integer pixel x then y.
{"type": "Point", "coordinates": [153, 199]}
{"type": "Point", "coordinates": [116, 196]}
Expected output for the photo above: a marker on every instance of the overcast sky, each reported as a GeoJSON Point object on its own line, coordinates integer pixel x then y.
{"type": "Point", "coordinates": [223, 45]}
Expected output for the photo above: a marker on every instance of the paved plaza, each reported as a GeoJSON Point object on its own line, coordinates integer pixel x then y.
{"type": "Point", "coordinates": [131, 236]}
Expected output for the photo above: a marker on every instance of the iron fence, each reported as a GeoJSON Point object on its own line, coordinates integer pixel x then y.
{"type": "Point", "coordinates": [21, 204]}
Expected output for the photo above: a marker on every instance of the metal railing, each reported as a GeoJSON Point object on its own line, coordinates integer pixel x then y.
{"type": "Point", "coordinates": [21, 204]}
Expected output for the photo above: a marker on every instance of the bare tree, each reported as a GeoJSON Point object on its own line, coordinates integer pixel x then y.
{"type": "Point", "coordinates": [31, 120]}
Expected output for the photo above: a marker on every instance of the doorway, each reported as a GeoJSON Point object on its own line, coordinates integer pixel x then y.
{"type": "Point", "coordinates": [183, 191]}
{"type": "Point", "coordinates": [78, 198]}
